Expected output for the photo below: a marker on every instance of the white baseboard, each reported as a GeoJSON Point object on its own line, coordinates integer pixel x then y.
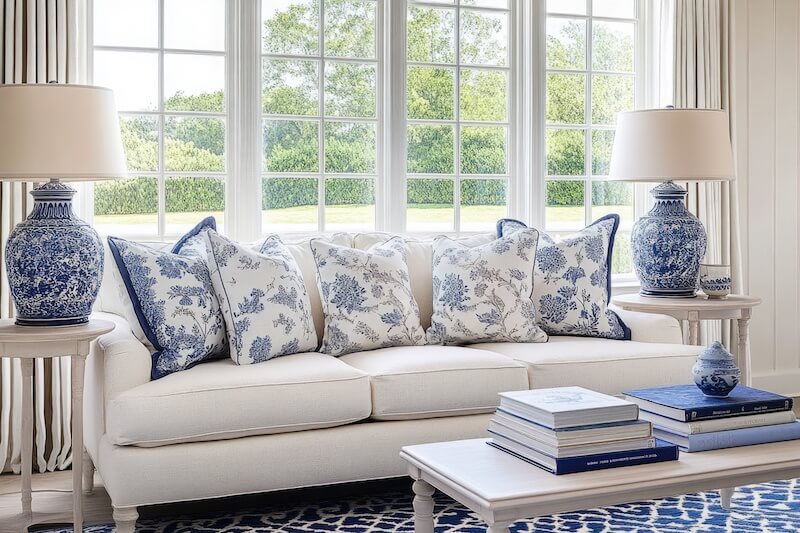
{"type": "Point", "coordinates": [786, 382]}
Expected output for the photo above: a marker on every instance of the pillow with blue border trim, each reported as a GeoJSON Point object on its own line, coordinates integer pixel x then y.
{"type": "Point", "coordinates": [572, 280]}
{"type": "Point", "coordinates": [173, 299]}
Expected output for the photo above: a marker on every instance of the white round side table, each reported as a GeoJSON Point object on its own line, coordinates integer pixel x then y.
{"type": "Point", "coordinates": [735, 307]}
{"type": "Point", "coordinates": [28, 343]}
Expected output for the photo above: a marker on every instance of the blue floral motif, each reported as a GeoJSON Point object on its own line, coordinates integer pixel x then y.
{"type": "Point", "coordinates": [366, 297]}
{"type": "Point", "coordinates": [453, 292]}
{"type": "Point", "coordinates": [572, 285]}
{"type": "Point", "coordinates": [175, 304]}
{"type": "Point", "coordinates": [550, 259]}
{"type": "Point", "coordinates": [483, 294]}
{"type": "Point", "coordinates": [263, 298]}
{"type": "Point", "coordinates": [260, 349]}
{"type": "Point", "coordinates": [348, 295]}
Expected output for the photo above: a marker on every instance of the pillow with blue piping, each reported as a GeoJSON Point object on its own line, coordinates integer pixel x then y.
{"type": "Point", "coordinates": [173, 299]}
{"type": "Point", "coordinates": [572, 280]}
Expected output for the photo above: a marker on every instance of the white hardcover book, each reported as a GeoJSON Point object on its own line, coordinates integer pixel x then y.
{"type": "Point", "coordinates": [720, 424]}
{"type": "Point", "coordinates": [578, 450]}
{"type": "Point", "coordinates": [564, 407]}
{"type": "Point", "coordinates": [575, 435]}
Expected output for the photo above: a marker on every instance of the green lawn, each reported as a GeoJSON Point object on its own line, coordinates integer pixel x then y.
{"type": "Point", "coordinates": [426, 218]}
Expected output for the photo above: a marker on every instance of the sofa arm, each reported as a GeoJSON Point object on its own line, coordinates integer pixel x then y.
{"type": "Point", "coordinates": [649, 327]}
{"type": "Point", "coordinates": [126, 361]}
{"type": "Point", "coordinates": [118, 361]}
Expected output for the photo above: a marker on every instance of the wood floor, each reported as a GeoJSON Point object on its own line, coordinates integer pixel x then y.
{"type": "Point", "coordinates": [97, 507]}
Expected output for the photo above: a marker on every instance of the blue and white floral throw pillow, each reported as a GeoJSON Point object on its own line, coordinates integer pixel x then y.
{"type": "Point", "coordinates": [572, 280]}
{"type": "Point", "coordinates": [366, 297]}
{"type": "Point", "coordinates": [263, 299]}
{"type": "Point", "coordinates": [483, 294]}
{"type": "Point", "coordinates": [173, 300]}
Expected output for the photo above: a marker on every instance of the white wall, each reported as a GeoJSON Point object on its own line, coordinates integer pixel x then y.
{"type": "Point", "coordinates": [766, 94]}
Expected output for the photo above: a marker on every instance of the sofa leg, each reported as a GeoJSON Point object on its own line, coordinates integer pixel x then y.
{"type": "Point", "coordinates": [88, 474]}
{"type": "Point", "coordinates": [125, 519]}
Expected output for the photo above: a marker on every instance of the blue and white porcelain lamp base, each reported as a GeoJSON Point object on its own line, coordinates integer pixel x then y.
{"type": "Point", "coordinates": [54, 261]}
{"type": "Point", "coordinates": [667, 246]}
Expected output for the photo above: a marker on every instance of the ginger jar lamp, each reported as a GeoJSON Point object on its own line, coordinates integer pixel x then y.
{"type": "Point", "coordinates": [669, 145]}
{"type": "Point", "coordinates": [54, 133]}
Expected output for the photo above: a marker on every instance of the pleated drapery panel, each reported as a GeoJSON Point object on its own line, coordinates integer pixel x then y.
{"type": "Point", "coordinates": [702, 79]}
{"type": "Point", "coordinates": [40, 41]}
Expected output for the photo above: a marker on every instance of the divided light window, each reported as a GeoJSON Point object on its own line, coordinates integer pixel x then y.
{"type": "Point", "coordinates": [320, 114]}
{"type": "Point", "coordinates": [458, 107]}
{"type": "Point", "coordinates": [165, 60]}
{"type": "Point", "coordinates": [591, 77]}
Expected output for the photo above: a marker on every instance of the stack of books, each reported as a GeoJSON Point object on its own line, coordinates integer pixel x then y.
{"type": "Point", "coordinates": [572, 429]}
{"type": "Point", "coordinates": [684, 416]}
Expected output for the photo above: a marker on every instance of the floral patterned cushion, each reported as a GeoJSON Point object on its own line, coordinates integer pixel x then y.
{"type": "Point", "coordinates": [572, 280]}
{"type": "Point", "coordinates": [173, 300]}
{"type": "Point", "coordinates": [366, 297]}
{"type": "Point", "coordinates": [483, 294]}
{"type": "Point", "coordinates": [263, 299]}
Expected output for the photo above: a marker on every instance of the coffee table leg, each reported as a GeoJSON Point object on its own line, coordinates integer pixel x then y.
{"type": "Point", "coordinates": [498, 527]}
{"type": "Point", "coordinates": [725, 496]}
{"type": "Point", "coordinates": [423, 507]}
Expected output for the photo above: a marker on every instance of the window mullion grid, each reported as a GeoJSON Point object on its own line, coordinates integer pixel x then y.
{"type": "Point", "coordinates": [457, 128]}
{"type": "Point", "coordinates": [321, 129]}
{"type": "Point", "coordinates": [162, 155]}
{"type": "Point", "coordinates": [587, 150]}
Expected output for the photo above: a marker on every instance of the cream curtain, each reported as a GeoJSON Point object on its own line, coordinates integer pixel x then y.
{"type": "Point", "coordinates": [40, 41]}
{"type": "Point", "coordinates": [702, 76]}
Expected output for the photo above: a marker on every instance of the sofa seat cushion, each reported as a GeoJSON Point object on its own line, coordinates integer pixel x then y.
{"type": "Point", "coordinates": [222, 400]}
{"type": "Point", "coordinates": [411, 382]}
{"type": "Point", "coordinates": [603, 365]}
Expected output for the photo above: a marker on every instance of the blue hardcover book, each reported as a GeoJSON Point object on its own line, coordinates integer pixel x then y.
{"type": "Point", "coordinates": [663, 451]}
{"type": "Point", "coordinates": [687, 403]}
{"type": "Point", "coordinates": [700, 442]}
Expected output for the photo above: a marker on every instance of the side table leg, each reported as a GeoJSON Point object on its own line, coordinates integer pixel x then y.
{"type": "Point", "coordinates": [498, 527]}
{"type": "Point", "coordinates": [725, 496]}
{"type": "Point", "coordinates": [423, 507]}
{"type": "Point", "coordinates": [743, 352]}
{"type": "Point", "coordinates": [27, 435]}
{"type": "Point", "coordinates": [77, 441]}
{"type": "Point", "coordinates": [694, 332]}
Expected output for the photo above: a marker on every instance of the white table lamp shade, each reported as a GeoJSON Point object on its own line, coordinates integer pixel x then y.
{"type": "Point", "coordinates": [70, 132]}
{"type": "Point", "coordinates": [672, 144]}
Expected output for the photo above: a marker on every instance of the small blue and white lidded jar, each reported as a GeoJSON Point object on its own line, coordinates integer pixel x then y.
{"type": "Point", "coordinates": [715, 371]}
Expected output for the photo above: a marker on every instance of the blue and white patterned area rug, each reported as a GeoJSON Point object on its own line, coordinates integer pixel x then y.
{"type": "Point", "coordinates": [767, 508]}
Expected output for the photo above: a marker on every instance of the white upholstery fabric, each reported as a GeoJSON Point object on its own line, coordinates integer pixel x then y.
{"type": "Point", "coordinates": [603, 365]}
{"type": "Point", "coordinates": [433, 381]}
{"type": "Point", "coordinates": [420, 253]}
{"type": "Point", "coordinates": [140, 476]}
{"type": "Point", "coordinates": [650, 327]}
{"type": "Point", "coordinates": [222, 400]}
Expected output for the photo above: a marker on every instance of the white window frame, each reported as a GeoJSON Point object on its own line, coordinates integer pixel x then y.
{"type": "Point", "coordinates": [321, 118]}
{"type": "Point", "coordinates": [526, 165]}
{"type": "Point", "coordinates": [161, 173]}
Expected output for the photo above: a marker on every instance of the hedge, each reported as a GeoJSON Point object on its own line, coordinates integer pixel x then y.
{"type": "Point", "coordinates": [570, 193]}
{"type": "Point", "coordinates": [140, 195]}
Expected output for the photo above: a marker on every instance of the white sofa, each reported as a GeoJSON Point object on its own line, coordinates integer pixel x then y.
{"type": "Point", "coordinates": [220, 429]}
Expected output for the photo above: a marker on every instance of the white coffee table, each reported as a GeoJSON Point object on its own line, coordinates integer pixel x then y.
{"type": "Point", "coordinates": [503, 489]}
